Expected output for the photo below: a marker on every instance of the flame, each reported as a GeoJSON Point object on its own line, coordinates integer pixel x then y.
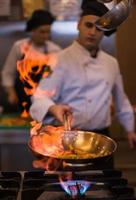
{"type": "Point", "coordinates": [35, 128]}
{"type": "Point", "coordinates": [46, 144]}
{"type": "Point", "coordinates": [48, 164]}
{"type": "Point", "coordinates": [24, 113]}
{"type": "Point", "coordinates": [73, 188]}
{"type": "Point", "coordinates": [32, 67]}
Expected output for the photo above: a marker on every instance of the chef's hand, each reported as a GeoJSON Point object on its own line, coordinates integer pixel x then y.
{"type": "Point", "coordinates": [12, 95]}
{"type": "Point", "coordinates": [131, 139]}
{"type": "Point", "coordinates": [59, 110]}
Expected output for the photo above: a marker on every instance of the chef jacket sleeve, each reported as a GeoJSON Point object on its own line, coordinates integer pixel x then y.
{"type": "Point", "coordinates": [123, 108]}
{"type": "Point", "coordinates": [9, 69]}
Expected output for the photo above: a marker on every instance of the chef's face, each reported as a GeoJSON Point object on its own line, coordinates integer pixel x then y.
{"type": "Point", "coordinates": [41, 34]}
{"type": "Point", "coordinates": [89, 35]}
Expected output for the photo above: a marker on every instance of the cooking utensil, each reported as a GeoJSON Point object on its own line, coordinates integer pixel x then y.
{"type": "Point", "coordinates": [69, 136]}
{"type": "Point", "coordinates": [114, 17]}
{"type": "Point", "coordinates": [66, 122]}
{"type": "Point", "coordinates": [92, 147]}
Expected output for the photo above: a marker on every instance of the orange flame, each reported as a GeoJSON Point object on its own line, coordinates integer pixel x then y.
{"type": "Point", "coordinates": [49, 164]}
{"type": "Point", "coordinates": [32, 64]}
{"type": "Point", "coordinates": [24, 113]}
{"type": "Point", "coordinates": [46, 144]}
{"type": "Point", "coordinates": [33, 67]}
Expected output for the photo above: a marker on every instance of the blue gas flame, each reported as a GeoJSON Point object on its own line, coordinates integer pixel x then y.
{"type": "Point", "coordinates": [75, 187]}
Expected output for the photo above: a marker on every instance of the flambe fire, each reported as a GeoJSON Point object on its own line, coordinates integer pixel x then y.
{"type": "Point", "coordinates": [32, 67]}
{"type": "Point", "coordinates": [49, 144]}
{"type": "Point", "coordinates": [24, 114]}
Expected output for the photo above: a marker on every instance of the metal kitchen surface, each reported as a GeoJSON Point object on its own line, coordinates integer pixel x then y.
{"type": "Point", "coordinates": [40, 185]}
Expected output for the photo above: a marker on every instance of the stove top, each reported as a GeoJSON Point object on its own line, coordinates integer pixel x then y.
{"type": "Point", "coordinates": [40, 185]}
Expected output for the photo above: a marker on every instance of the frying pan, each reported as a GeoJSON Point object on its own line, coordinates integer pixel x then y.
{"type": "Point", "coordinates": [89, 147]}
{"type": "Point", "coordinates": [114, 17]}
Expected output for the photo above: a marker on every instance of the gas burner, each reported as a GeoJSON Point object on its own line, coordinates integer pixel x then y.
{"type": "Point", "coordinates": [84, 185]}
{"type": "Point", "coordinates": [75, 188]}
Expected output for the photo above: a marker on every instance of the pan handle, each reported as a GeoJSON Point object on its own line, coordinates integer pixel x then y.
{"type": "Point", "coordinates": [67, 164]}
{"type": "Point", "coordinates": [66, 122]}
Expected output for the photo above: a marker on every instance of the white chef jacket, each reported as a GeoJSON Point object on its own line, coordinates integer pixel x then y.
{"type": "Point", "coordinates": [10, 67]}
{"type": "Point", "coordinates": [86, 84]}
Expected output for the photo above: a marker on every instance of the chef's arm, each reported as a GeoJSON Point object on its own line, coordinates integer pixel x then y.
{"type": "Point", "coordinates": [124, 110]}
{"type": "Point", "coordinates": [8, 74]}
{"type": "Point", "coordinates": [40, 107]}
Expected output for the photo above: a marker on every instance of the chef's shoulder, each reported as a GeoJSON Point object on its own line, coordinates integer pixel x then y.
{"type": "Point", "coordinates": [52, 47]}
{"type": "Point", "coordinates": [16, 49]}
{"type": "Point", "coordinates": [21, 42]}
{"type": "Point", "coordinates": [19, 45]}
{"type": "Point", "coordinates": [109, 60]}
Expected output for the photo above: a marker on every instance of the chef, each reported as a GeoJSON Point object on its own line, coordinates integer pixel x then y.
{"type": "Point", "coordinates": [34, 48]}
{"type": "Point", "coordinates": [84, 81]}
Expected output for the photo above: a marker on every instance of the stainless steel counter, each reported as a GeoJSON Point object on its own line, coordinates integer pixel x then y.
{"type": "Point", "coordinates": [14, 152]}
